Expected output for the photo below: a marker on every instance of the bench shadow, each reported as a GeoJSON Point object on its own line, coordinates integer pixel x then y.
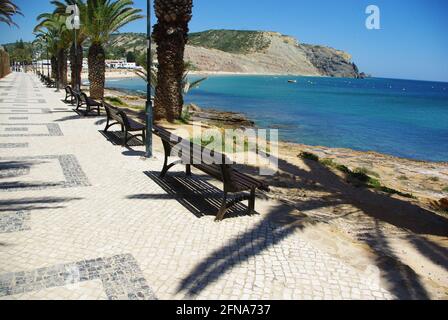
{"type": "Point", "coordinates": [100, 122]}
{"type": "Point", "coordinates": [91, 114]}
{"type": "Point", "coordinates": [116, 138]}
{"type": "Point", "coordinates": [133, 153]}
{"type": "Point", "coordinates": [197, 195]}
{"type": "Point", "coordinates": [68, 118]}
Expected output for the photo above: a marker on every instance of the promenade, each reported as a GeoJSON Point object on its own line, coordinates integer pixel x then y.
{"type": "Point", "coordinates": [82, 218]}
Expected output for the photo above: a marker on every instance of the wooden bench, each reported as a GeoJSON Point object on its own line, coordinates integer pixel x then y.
{"type": "Point", "coordinates": [233, 180]}
{"type": "Point", "coordinates": [82, 100]}
{"type": "Point", "coordinates": [118, 116]}
{"type": "Point", "coordinates": [69, 94]}
{"type": "Point", "coordinates": [48, 81]}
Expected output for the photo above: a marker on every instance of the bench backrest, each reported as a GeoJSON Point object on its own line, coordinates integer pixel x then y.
{"type": "Point", "coordinates": [69, 90]}
{"type": "Point", "coordinates": [222, 171]}
{"type": "Point", "coordinates": [83, 97]}
{"type": "Point", "coordinates": [113, 112]}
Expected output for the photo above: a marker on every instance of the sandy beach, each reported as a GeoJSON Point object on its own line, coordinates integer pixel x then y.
{"type": "Point", "coordinates": [112, 74]}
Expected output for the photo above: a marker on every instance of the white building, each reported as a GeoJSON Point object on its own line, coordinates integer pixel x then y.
{"type": "Point", "coordinates": [120, 64]}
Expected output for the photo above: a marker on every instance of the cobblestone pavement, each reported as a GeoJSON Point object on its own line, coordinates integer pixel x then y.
{"type": "Point", "coordinates": [82, 218]}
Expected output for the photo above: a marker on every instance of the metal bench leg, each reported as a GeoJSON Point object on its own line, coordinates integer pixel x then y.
{"type": "Point", "coordinates": [107, 125]}
{"type": "Point", "coordinates": [165, 166]}
{"type": "Point", "coordinates": [167, 149]}
{"type": "Point", "coordinates": [251, 208]}
{"type": "Point", "coordinates": [188, 170]}
{"type": "Point", "coordinates": [125, 138]}
{"type": "Point", "coordinates": [223, 209]}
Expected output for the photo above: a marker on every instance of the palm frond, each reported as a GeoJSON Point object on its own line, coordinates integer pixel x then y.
{"type": "Point", "coordinates": [7, 10]}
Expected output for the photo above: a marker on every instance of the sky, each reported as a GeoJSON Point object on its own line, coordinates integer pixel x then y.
{"type": "Point", "coordinates": [411, 44]}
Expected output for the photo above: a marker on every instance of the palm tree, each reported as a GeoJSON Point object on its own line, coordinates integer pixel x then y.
{"type": "Point", "coordinates": [170, 35]}
{"type": "Point", "coordinates": [76, 55]}
{"type": "Point", "coordinates": [7, 10]}
{"type": "Point", "coordinates": [49, 36]}
{"type": "Point", "coordinates": [104, 17]}
{"type": "Point", "coordinates": [59, 38]}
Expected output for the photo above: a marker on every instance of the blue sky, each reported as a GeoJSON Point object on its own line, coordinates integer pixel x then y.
{"type": "Point", "coordinates": [412, 42]}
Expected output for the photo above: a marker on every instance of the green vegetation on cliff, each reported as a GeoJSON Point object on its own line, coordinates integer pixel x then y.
{"type": "Point", "coordinates": [232, 41]}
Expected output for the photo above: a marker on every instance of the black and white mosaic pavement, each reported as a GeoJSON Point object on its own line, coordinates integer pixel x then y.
{"type": "Point", "coordinates": [14, 169]}
{"type": "Point", "coordinates": [17, 129]}
{"type": "Point", "coordinates": [73, 174]}
{"type": "Point", "coordinates": [120, 275]}
{"type": "Point", "coordinates": [14, 221]}
{"type": "Point", "coordinates": [18, 118]}
{"type": "Point", "coordinates": [11, 145]}
{"type": "Point", "coordinates": [15, 100]}
{"type": "Point", "coordinates": [53, 130]}
{"type": "Point", "coordinates": [17, 110]}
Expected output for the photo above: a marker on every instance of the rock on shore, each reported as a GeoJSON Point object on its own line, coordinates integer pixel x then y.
{"type": "Point", "coordinates": [219, 118]}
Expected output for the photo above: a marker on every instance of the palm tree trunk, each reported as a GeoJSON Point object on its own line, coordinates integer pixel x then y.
{"type": "Point", "coordinates": [170, 53]}
{"type": "Point", "coordinates": [54, 66]}
{"type": "Point", "coordinates": [97, 70]}
{"type": "Point", "coordinates": [76, 65]}
{"type": "Point", "coordinates": [62, 67]}
{"type": "Point", "coordinates": [171, 34]}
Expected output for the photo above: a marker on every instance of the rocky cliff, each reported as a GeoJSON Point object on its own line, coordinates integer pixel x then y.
{"type": "Point", "coordinates": [255, 52]}
{"type": "Point", "coordinates": [265, 53]}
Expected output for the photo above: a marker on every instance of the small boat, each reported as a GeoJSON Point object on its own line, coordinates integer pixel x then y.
{"type": "Point", "coordinates": [292, 81]}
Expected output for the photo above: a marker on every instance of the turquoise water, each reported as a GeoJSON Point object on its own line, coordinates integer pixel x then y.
{"type": "Point", "coordinates": [404, 118]}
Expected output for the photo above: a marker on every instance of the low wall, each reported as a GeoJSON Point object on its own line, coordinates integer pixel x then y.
{"type": "Point", "coordinates": [4, 63]}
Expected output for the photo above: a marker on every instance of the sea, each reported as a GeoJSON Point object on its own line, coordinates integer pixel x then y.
{"type": "Point", "coordinates": [403, 118]}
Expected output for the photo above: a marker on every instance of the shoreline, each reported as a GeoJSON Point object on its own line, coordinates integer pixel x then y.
{"type": "Point", "coordinates": [134, 93]}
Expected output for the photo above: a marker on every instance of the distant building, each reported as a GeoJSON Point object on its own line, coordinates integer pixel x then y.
{"type": "Point", "coordinates": [112, 64]}
{"type": "Point", "coordinates": [120, 64]}
{"type": "Point", "coordinates": [40, 63]}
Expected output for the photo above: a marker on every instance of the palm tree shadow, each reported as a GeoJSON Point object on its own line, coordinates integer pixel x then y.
{"type": "Point", "coordinates": [435, 252]}
{"type": "Point", "coordinates": [399, 213]}
{"type": "Point", "coordinates": [262, 236]}
{"type": "Point", "coordinates": [40, 203]}
{"type": "Point", "coordinates": [403, 281]}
